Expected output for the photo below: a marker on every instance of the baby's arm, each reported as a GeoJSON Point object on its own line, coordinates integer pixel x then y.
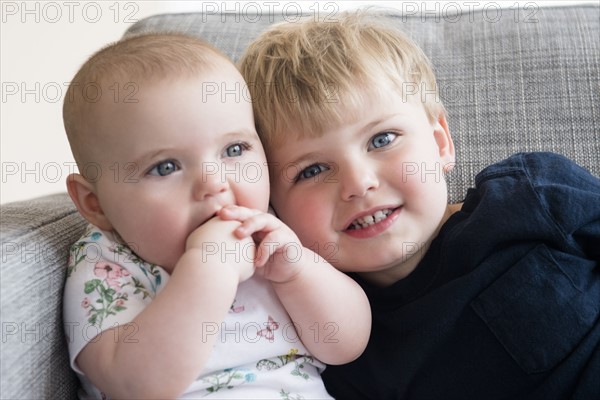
{"type": "Point", "coordinates": [170, 349]}
{"type": "Point", "coordinates": [330, 310]}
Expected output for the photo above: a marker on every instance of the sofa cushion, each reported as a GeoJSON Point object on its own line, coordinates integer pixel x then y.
{"type": "Point", "coordinates": [512, 80]}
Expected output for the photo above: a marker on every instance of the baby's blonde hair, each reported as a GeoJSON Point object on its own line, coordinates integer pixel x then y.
{"type": "Point", "coordinates": [118, 70]}
{"type": "Point", "coordinates": [305, 77]}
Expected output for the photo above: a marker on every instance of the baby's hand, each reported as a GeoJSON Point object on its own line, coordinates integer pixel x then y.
{"type": "Point", "coordinates": [279, 252]}
{"type": "Point", "coordinates": [218, 244]}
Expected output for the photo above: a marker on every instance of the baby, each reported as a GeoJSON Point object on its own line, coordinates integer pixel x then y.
{"type": "Point", "coordinates": [163, 299]}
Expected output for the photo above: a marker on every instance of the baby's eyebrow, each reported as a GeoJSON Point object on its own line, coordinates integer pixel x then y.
{"type": "Point", "coordinates": [242, 132]}
{"type": "Point", "coordinates": [144, 158]}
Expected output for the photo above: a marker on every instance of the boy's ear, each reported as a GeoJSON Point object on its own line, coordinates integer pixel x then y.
{"type": "Point", "coordinates": [444, 142]}
{"type": "Point", "coordinates": [84, 196]}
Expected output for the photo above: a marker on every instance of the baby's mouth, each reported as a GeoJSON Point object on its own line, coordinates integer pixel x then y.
{"type": "Point", "coordinates": [368, 220]}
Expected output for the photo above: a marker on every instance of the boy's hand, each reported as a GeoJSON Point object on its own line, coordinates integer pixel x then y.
{"type": "Point", "coordinates": [218, 244]}
{"type": "Point", "coordinates": [279, 250]}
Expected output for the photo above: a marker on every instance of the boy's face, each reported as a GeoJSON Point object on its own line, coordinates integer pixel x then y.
{"type": "Point", "coordinates": [369, 195]}
{"type": "Point", "coordinates": [169, 161]}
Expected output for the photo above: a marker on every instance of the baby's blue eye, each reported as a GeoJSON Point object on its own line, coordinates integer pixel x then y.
{"type": "Point", "coordinates": [311, 171]}
{"type": "Point", "coordinates": [236, 150]}
{"type": "Point", "coordinates": [382, 140]}
{"type": "Point", "coordinates": [164, 168]}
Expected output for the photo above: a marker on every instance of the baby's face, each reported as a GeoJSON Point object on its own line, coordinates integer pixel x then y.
{"type": "Point", "coordinates": [368, 194]}
{"type": "Point", "coordinates": [169, 161]}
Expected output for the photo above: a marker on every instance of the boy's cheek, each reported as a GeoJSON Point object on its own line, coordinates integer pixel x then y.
{"type": "Point", "coordinates": [281, 208]}
{"type": "Point", "coordinates": [286, 208]}
{"type": "Point", "coordinates": [305, 217]}
{"type": "Point", "coordinates": [283, 176]}
{"type": "Point", "coordinates": [279, 198]}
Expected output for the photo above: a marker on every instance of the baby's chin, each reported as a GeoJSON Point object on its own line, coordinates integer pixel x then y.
{"type": "Point", "coordinates": [166, 262]}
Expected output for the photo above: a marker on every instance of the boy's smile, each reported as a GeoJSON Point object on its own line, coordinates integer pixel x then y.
{"type": "Point", "coordinates": [372, 223]}
{"type": "Point", "coordinates": [369, 195]}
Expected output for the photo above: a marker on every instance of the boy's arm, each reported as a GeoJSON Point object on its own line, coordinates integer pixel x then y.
{"type": "Point", "coordinates": [170, 347]}
{"type": "Point", "coordinates": [330, 310]}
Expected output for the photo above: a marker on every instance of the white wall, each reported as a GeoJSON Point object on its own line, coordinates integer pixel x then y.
{"type": "Point", "coordinates": [43, 43]}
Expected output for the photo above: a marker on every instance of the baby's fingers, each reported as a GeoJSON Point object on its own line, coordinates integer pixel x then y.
{"type": "Point", "coordinates": [258, 223]}
{"type": "Point", "coordinates": [277, 258]}
{"type": "Point", "coordinates": [277, 238]}
{"type": "Point", "coordinates": [238, 213]}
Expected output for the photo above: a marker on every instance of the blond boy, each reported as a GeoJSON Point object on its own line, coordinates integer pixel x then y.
{"type": "Point", "coordinates": [496, 297]}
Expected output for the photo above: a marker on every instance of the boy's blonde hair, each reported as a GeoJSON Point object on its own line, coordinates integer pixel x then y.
{"type": "Point", "coordinates": [118, 70]}
{"type": "Point", "coordinates": [305, 77]}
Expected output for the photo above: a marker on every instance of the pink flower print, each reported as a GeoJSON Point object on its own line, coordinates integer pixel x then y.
{"type": "Point", "coordinates": [106, 296]}
{"type": "Point", "coordinates": [269, 332]}
{"type": "Point", "coordinates": [111, 272]}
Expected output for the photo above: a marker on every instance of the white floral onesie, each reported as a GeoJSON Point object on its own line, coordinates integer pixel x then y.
{"type": "Point", "coordinates": [257, 355]}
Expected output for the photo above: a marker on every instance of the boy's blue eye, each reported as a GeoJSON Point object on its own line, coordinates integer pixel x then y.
{"type": "Point", "coordinates": [382, 140]}
{"type": "Point", "coordinates": [311, 171]}
{"type": "Point", "coordinates": [236, 150]}
{"type": "Point", "coordinates": [164, 168]}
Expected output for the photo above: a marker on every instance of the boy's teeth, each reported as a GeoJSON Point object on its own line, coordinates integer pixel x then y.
{"type": "Point", "coordinates": [368, 220]}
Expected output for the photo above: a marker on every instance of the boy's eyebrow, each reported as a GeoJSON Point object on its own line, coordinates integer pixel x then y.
{"type": "Point", "coordinates": [317, 154]}
{"type": "Point", "coordinates": [378, 121]}
{"type": "Point", "coordinates": [304, 157]}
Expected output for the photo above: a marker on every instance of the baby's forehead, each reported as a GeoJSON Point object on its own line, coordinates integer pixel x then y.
{"type": "Point", "coordinates": [110, 90]}
{"type": "Point", "coordinates": [111, 81]}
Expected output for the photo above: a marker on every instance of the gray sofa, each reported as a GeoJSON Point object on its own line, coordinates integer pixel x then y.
{"type": "Point", "coordinates": [518, 80]}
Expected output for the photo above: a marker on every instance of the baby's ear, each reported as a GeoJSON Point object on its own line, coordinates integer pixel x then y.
{"type": "Point", "coordinates": [444, 142]}
{"type": "Point", "coordinates": [83, 194]}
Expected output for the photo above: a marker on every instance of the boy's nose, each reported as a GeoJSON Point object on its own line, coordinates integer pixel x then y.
{"type": "Point", "coordinates": [356, 181]}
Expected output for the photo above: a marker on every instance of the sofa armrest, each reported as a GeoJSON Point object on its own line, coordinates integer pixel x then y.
{"type": "Point", "coordinates": [36, 235]}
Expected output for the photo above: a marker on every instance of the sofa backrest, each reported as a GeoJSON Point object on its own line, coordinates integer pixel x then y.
{"type": "Point", "coordinates": [513, 79]}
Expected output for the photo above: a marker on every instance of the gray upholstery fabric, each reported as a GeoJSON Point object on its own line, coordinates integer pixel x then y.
{"type": "Point", "coordinates": [515, 80]}
{"type": "Point", "coordinates": [519, 82]}
{"type": "Point", "coordinates": [36, 236]}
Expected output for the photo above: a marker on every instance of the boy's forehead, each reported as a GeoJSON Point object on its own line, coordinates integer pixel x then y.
{"type": "Point", "coordinates": [369, 105]}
